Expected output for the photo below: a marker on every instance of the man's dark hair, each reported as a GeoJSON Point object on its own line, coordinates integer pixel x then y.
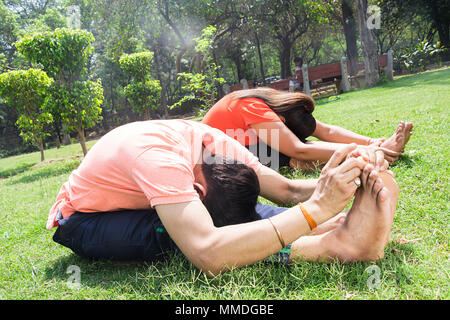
{"type": "Point", "coordinates": [232, 191]}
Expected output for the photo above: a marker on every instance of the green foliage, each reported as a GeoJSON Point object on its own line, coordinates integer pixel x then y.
{"type": "Point", "coordinates": [137, 65]}
{"type": "Point", "coordinates": [63, 53]}
{"type": "Point", "coordinates": [419, 56]}
{"type": "Point", "coordinates": [3, 62]}
{"type": "Point", "coordinates": [202, 86]}
{"type": "Point", "coordinates": [143, 93]}
{"type": "Point", "coordinates": [205, 41]}
{"type": "Point", "coordinates": [143, 96]}
{"type": "Point", "coordinates": [78, 107]}
{"type": "Point", "coordinates": [27, 91]}
{"type": "Point", "coordinates": [51, 20]}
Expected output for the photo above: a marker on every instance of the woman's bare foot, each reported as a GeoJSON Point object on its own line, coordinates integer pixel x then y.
{"type": "Point", "coordinates": [409, 126]}
{"type": "Point", "coordinates": [365, 232]}
{"type": "Point", "coordinates": [400, 138]}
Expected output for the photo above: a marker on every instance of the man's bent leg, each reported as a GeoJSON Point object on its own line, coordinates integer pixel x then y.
{"type": "Point", "coordinates": [122, 235]}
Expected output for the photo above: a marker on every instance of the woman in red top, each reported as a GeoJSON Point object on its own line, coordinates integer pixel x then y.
{"type": "Point", "coordinates": [283, 121]}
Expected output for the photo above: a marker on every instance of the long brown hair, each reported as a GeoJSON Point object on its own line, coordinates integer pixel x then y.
{"type": "Point", "coordinates": [279, 101]}
{"type": "Point", "coordinates": [295, 107]}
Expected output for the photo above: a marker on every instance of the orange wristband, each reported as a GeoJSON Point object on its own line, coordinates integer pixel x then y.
{"type": "Point", "coordinates": [312, 223]}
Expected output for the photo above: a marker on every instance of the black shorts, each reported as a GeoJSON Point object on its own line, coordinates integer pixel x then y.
{"type": "Point", "coordinates": [128, 235]}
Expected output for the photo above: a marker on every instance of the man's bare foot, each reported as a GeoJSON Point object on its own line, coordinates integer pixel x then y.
{"type": "Point", "coordinates": [329, 225]}
{"type": "Point", "coordinates": [365, 232]}
{"type": "Point", "coordinates": [400, 138]}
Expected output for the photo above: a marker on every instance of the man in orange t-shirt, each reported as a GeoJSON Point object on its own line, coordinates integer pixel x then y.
{"type": "Point", "coordinates": [148, 187]}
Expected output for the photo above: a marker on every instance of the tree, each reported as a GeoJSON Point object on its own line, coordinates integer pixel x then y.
{"type": "Point", "coordinates": [369, 46]}
{"type": "Point", "coordinates": [350, 31]}
{"type": "Point", "coordinates": [8, 33]}
{"type": "Point", "coordinates": [203, 84]}
{"type": "Point", "coordinates": [143, 93]}
{"type": "Point", "coordinates": [64, 55]}
{"type": "Point", "coordinates": [288, 21]}
{"type": "Point", "coordinates": [27, 91]}
{"type": "Point", "coordinates": [395, 20]}
{"type": "Point", "coordinates": [436, 11]}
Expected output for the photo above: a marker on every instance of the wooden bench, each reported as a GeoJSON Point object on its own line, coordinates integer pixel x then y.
{"type": "Point", "coordinates": [324, 76]}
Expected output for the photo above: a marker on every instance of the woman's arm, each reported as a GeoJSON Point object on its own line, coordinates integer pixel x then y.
{"type": "Point", "coordinates": [278, 136]}
{"type": "Point", "coordinates": [332, 133]}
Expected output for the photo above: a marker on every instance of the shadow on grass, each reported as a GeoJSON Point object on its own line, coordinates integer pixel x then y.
{"type": "Point", "coordinates": [139, 278]}
{"type": "Point", "coordinates": [44, 172]}
{"type": "Point", "coordinates": [4, 174]}
{"type": "Point", "coordinates": [407, 161]}
{"type": "Point", "coordinates": [177, 278]}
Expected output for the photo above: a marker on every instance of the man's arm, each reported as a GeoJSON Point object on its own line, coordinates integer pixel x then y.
{"type": "Point", "coordinates": [214, 250]}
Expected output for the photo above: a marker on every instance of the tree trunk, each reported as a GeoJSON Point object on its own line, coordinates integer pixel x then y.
{"type": "Point", "coordinates": [444, 38]}
{"type": "Point", "coordinates": [439, 13]}
{"type": "Point", "coordinates": [285, 59]}
{"type": "Point", "coordinates": [58, 139]}
{"type": "Point", "coordinates": [261, 65]}
{"type": "Point", "coordinates": [240, 71]}
{"type": "Point", "coordinates": [147, 114]}
{"type": "Point", "coordinates": [163, 100]}
{"type": "Point", "coordinates": [350, 31]}
{"type": "Point", "coordinates": [82, 139]}
{"type": "Point", "coordinates": [66, 139]}
{"type": "Point", "coordinates": [40, 145]}
{"type": "Point", "coordinates": [369, 46]}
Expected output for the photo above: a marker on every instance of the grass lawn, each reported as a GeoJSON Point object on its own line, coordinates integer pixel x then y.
{"type": "Point", "coordinates": [416, 265]}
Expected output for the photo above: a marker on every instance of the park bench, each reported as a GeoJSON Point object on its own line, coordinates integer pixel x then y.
{"type": "Point", "coordinates": [319, 79]}
{"type": "Point", "coordinates": [326, 75]}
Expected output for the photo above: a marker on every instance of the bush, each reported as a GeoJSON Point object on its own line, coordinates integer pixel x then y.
{"type": "Point", "coordinates": [416, 58]}
{"type": "Point", "coordinates": [143, 92]}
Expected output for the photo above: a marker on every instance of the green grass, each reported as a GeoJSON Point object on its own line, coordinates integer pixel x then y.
{"type": "Point", "coordinates": [32, 266]}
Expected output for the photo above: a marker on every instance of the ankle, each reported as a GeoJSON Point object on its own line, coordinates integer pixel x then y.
{"type": "Point", "coordinates": [348, 250]}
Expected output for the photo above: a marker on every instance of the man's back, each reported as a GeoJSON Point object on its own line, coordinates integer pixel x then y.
{"type": "Point", "coordinates": [137, 166]}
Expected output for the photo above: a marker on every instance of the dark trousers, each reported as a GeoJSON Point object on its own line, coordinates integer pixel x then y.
{"type": "Point", "coordinates": [124, 235]}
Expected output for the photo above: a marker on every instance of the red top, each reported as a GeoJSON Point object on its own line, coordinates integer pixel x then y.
{"type": "Point", "coordinates": [234, 117]}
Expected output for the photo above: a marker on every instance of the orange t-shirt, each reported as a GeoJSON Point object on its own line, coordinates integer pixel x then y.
{"type": "Point", "coordinates": [234, 117]}
{"type": "Point", "coordinates": [141, 165]}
